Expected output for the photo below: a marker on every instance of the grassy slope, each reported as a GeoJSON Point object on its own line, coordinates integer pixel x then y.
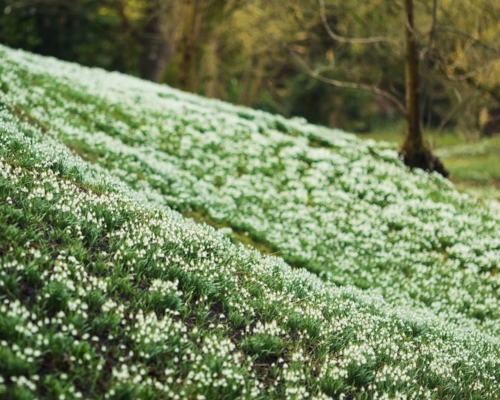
{"type": "Point", "coordinates": [474, 167]}
{"type": "Point", "coordinates": [105, 290]}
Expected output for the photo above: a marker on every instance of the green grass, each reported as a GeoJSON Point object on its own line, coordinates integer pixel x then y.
{"type": "Point", "coordinates": [474, 166]}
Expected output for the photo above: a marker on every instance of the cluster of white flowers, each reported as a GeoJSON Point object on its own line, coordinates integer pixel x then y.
{"type": "Point", "coordinates": [348, 211]}
{"type": "Point", "coordinates": [272, 329]}
{"type": "Point", "coordinates": [165, 287]}
{"type": "Point", "coordinates": [86, 249]}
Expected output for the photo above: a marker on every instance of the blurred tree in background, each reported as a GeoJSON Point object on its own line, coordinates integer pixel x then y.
{"type": "Point", "coordinates": [84, 31]}
{"type": "Point", "coordinates": [241, 51]}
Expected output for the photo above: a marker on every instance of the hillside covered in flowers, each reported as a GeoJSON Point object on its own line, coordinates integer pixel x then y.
{"type": "Point", "coordinates": [155, 244]}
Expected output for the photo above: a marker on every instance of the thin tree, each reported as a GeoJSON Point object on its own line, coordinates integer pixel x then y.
{"type": "Point", "coordinates": [414, 150]}
{"type": "Point", "coordinates": [200, 18]}
{"type": "Point", "coordinates": [155, 34]}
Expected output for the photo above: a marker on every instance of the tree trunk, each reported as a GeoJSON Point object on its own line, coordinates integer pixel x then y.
{"type": "Point", "coordinates": [257, 81]}
{"type": "Point", "coordinates": [212, 68]}
{"type": "Point", "coordinates": [188, 63]}
{"type": "Point", "coordinates": [157, 46]}
{"type": "Point", "coordinates": [414, 150]}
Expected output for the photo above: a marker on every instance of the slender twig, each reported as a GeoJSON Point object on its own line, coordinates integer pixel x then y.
{"type": "Point", "coordinates": [473, 73]}
{"type": "Point", "coordinates": [412, 30]}
{"type": "Point", "coordinates": [453, 111]}
{"type": "Point", "coordinates": [451, 29]}
{"type": "Point", "coordinates": [348, 85]}
{"type": "Point", "coordinates": [463, 76]}
{"type": "Point", "coordinates": [343, 39]}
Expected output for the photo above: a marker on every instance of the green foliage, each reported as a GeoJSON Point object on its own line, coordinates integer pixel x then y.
{"type": "Point", "coordinates": [87, 32]}
{"type": "Point", "coordinates": [235, 51]}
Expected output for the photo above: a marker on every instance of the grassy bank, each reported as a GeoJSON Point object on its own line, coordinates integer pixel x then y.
{"type": "Point", "coordinates": [474, 166]}
{"type": "Point", "coordinates": [372, 281]}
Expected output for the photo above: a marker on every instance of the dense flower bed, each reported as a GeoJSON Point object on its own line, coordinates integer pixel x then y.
{"type": "Point", "coordinates": [107, 291]}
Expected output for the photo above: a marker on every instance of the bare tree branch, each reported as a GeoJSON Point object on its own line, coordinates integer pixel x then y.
{"type": "Point", "coordinates": [453, 111]}
{"type": "Point", "coordinates": [461, 75]}
{"type": "Point", "coordinates": [412, 30]}
{"type": "Point", "coordinates": [451, 29]}
{"type": "Point", "coordinates": [348, 85]}
{"type": "Point", "coordinates": [344, 39]}
{"type": "Point", "coordinates": [472, 73]}
{"type": "Point", "coordinates": [470, 77]}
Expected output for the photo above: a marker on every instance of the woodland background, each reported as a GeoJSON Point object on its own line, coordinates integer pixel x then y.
{"type": "Point", "coordinates": [268, 54]}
